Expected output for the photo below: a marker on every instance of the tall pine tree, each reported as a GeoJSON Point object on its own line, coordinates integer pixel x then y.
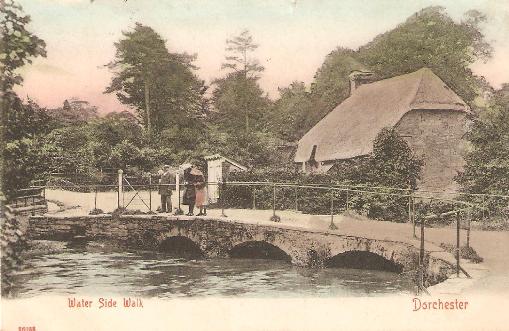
{"type": "Point", "coordinates": [161, 86]}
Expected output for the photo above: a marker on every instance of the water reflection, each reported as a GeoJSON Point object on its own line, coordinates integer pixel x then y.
{"type": "Point", "coordinates": [90, 271]}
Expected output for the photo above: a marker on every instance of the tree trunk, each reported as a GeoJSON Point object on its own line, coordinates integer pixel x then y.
{"type": "Point", "coordinates": [245, 101]}
{"type": "Point", "coordinates": [147, 106]}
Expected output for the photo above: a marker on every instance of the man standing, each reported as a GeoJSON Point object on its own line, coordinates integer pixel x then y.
{"type": "Point", "coordinates": [165, 189]}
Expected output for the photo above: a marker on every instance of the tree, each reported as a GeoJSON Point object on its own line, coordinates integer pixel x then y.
{"type": "Point", "coordinates": [254, 149]}
{"type": "Point", "coordinates": [235, 100]}
{"type": "Point", "coordinates": [114, 128]}
{"type": "Point", "coordinates": [74, 112]}
{"type": "Point", "coordinates": [290, 112]}
{"type": "Point", "coordinates": [160, 85]}
{"type": "Point", "coordinates": [27, 124]}
{"type": "Point", "coordinates": [70, 151]}
{"type": "Point", "coordinates": [240, 85]}
{"type": "Point", "coordinates": [430, 38]}
{"type": "Point", "coordinates": [239, 59]}
{"type": "Point", "coordinates": [393, 163]}
{"type": "Point", "coordinates": [17, 47]}
{"type": "Point", "coordinates": [124, 154]}
{"type": "Point", "coordinates": [487, 164]}
{"type": "Point", "coordinates": [331, 84]}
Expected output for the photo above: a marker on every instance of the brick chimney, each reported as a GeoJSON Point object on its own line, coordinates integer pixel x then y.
{"type": "Point", "coordinates": [357, 78]}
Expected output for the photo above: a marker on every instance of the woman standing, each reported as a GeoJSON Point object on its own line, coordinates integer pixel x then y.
{"type": "Point", "coordinates": [189, 197]}
{"type": "Point", "coordinates": [201, 190]}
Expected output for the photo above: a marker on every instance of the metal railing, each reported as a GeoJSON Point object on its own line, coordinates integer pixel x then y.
{"type": "Point", "coordinates": [346, 193]}
{"type": "Point", "coordinates": [338, 198]}
{"type": "Point", "coordinates": [31, 196]}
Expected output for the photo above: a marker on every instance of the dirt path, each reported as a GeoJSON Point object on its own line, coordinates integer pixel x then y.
{"type": "Point", "coordinates": [493, 246]}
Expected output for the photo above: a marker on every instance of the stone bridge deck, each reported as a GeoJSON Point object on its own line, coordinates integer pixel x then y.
{"type": "Point", "coordinates": [310, 245]}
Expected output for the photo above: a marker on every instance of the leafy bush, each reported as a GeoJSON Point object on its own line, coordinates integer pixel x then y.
{"type": "Point", "coordinates": [435, 207]}
{"type": "Point", "coordinates": [465, 252]}
{"type": "Point", "coordinates": [13, 243]}
{"type": "Point", "coordinates": [309, 200]}
{"type": "Point", "coordinates": [387, 208]}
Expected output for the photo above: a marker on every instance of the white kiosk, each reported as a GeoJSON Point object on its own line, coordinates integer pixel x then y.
{"type": "Point", "coordinates": [218, 168]}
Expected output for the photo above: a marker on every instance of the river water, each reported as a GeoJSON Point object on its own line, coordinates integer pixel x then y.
{"type": "Point", "coordinates": [81, 270]}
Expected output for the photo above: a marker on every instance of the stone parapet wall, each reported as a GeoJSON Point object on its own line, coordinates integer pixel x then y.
{"type": "Point", "coordinates": [28, 210]}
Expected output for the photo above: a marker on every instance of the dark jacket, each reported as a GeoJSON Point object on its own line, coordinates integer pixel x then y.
{"type": "Point", "coordinates": [189, 196]}
{"type": "Point", "coordinates": [164, 188]}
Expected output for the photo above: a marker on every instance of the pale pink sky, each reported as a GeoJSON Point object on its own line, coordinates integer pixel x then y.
{"type": "Point", "coordinates": [294, 37]}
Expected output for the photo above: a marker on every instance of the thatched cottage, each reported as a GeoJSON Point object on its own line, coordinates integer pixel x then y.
{"type": "Point", "coordinates": [419, 105]}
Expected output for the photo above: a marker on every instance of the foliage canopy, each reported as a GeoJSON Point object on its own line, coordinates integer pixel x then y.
{"type": "Point", "coordinates": [159, 85]}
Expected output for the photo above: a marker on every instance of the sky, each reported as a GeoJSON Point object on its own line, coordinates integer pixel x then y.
{"type": "Point", "coordinates": [294, 36]}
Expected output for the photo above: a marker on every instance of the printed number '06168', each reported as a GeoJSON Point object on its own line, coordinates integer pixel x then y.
{"type": "Point", "coordinates": [26, 328]}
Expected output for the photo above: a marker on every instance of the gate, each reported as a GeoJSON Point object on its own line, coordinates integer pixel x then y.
{"type": "Point", "coordinates": [135, 192]}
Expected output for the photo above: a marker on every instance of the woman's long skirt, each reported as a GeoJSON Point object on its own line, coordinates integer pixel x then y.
{"type": "Point", "coordinates": [201, 197]}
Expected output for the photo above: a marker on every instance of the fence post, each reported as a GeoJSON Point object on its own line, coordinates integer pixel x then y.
{"type": "Point", "coordinates": [274, 200]}
{"type": "Point", "coordinates": [347, 200]}
{"type": "Point", "coordinates": [469, 215]}
{"type": "Point", "coordinates": [296, 199]}
{"type": "Point", "coordinates": [409, 205]}
{"type": "Point", "coordinates": [222, 197]}
{"type": "Point", "coordinates": [95, 197]}
{"type": "Point", "coordinates": [179, 211]}
{"type": "Point", "coordinates": [332, 226]}
{"type": "Point", "coordinates": [458, 244]}
{"type": "Point", "coordinates": [254, 197]}
{"type": "Point", "coordinates": [274, 217]}
{"type": "Point", "coordinates": [413, 214]}
{"type": "Point", "coordinates": [150, 191]}
{"type": "Point", "coordinates": [420, 285]}
{"type": "Point", "coordinates": [120, 188]}
{"type": "Point", "coordinates": [483, 206]}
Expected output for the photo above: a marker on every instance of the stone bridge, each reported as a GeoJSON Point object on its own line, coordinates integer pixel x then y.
{"type": "Point", "coordinates": [219, 237]}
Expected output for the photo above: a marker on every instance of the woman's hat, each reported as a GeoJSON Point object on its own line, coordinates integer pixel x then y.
{"type": "Point", "coordinates": [196, 171]}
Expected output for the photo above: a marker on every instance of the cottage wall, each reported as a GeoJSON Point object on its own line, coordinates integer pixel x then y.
{"type": "Point", "coordinates": [437, 137]}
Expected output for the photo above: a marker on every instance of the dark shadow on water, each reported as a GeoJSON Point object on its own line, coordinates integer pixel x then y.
{"type": "Point", "coordinates": [362, 260]}
{"type": "Point", "coordinates": [259, 250]}
{"type": "Point", "coordinates": [77, 242]}
{"type": "Point", "coordinates": [181, 247]}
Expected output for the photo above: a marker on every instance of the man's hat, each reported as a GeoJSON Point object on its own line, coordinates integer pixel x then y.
{"type": "Point", "coordinates": [166, 166]}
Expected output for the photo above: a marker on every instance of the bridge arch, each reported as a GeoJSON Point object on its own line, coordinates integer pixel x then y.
{"type": "Point", "coordinates": [362, 259]}
{"type": "Point", "coordinates": [180, 246]}
{"type": "Point", "coordinates": [258, 249]}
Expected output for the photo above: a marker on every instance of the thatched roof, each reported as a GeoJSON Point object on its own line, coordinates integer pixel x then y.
{"type": "Point", "coordinates": [350, 129]}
